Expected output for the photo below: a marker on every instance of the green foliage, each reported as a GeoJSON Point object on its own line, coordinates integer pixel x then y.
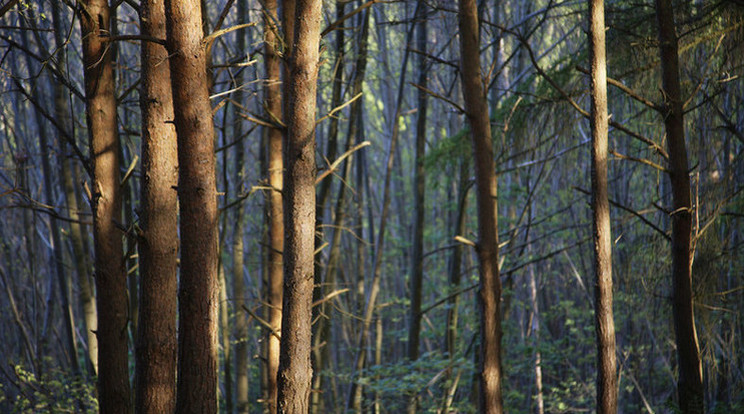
{"type": "Point", "coordinates": [57, 392]}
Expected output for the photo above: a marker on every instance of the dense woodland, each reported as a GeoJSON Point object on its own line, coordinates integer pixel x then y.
{"type": "Point", "coordinates": [352, 206]}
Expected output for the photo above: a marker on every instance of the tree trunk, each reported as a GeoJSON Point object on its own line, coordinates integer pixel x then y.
{"type": "Point", "coordinates": [273, 91]}
{"type": "Point", "coordinates": [155, 375]}
{"type": "Point", "coordinates": [419, 205]}
{"type": "Point", "coordinates": [113, 370]}
{"type": "Point", "coordinates": [690, 383]}
{"type": "Point", "coordinates": [295, 371]}
{"type": "Point", "coordinates": [197, 196]}
{"type": "Point", "coordinates": [489, 295]}
{"type": "Point", "coordinates": [603, 315]}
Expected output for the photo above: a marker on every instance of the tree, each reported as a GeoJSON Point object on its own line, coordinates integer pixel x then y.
{"type": "Point", "coordinates": [273, 98]}
{"type": "Point", "coordinates": [690, 383]}
{"type": "Point", "coordinates": [295, 371]}
{"type": "Point", "coordinates": [197, 197]}
{"type": "Point", "coordinates": [110, 276]}
{"type": "Point", "coordinates": [156, 344]}
{"type": "Point", "coordinates": [603, 315]}
{"type": "Point", "coordinates": [489, 294]}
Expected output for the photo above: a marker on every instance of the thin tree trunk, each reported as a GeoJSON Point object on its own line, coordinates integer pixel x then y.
{"type": "Point", "coordinates": [273, 97]}
{"type": "Point", "coordinates": [111, 282]}
{"type": "Point", "coordinates": [321, 337]}
{"type": "Point", "coordinates": [241, 324]}
{"type": "Point", "coordinates": [62, 114]}
{"type": "Point", "coordinates": [197, 196]}
{"type": "Point", "coordinates": [603, 315]}
{"type": "Point", "coordinates": [489, 295]}
{"type": "Point", "coordinates": [690, 384]}
{"type": "Point", "coordinates": [295, 370]}
{"type": "Point", "coordinates": [156, 355]}
{"type": "Point", "coordinates": [419, 204]}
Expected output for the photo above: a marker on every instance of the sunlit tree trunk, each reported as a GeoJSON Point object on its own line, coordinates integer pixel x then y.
{"type": "Point", "coordinates": [295, 371]}
{"type": "Point", "coordinates": [273, 105]}
{"type": "Point", "coordinates": [603, 315]}
{"type": "Point", "coordinates": [489, 294]}
{"type": "Point", "coordinates": [155, 374]}
{"type": "Point", "coordinates": [110, 275]}
{"type": "Point", "coordinates": [197, 196]}
{"type": "Point", "coordinates": [690, 384]}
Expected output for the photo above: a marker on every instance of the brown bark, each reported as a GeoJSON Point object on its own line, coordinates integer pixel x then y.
{"type": "Point", "coordinates": [155, 374]}
{"type": "Point", "coordinates": [489, 294]}
{"type": "Point", "coordinates": [603, 315]}
{"type": "Point", "coordinates": [690, 382]}
{"type": "Point", "coordinates": [198, 290]}
{"type": "Point", "coordinates": [295, 371]}
{"type": "Point", "coordinates": [273, 91]}
{"type": "Point", "coordinates": [110, 275]}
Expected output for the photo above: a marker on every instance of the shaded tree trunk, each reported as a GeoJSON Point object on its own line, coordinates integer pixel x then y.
{"type": "Point", "coordinates": [419, 204]}
{"type": "Point", "coordinates": [295, 370]}
{"type": "Point", "coordinates": [489, 294]}
{"type": "Point", "coordinates": [197, 197]}
{"type": "Point", "coordinates": [690, 384]}
{"type": "Point", "coordinates": [110, 275]}
{"type": "Point", "coordinates": [603, 315]}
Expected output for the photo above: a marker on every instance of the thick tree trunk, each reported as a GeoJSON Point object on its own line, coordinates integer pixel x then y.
{"type": "Point", "coordinates": [295, 371]}
{"type": "Point", "coordinates": [155, 374]}
{"type": "Point", "coordinates": [419, 205]}
{"type": "Point", "coordinates": [690, 385]}
{"type": "Point", "coordinates": [273, 97]}
{"type": "Point", "coordinates": [489, 295]}
{"type": "Point", "coordinates": [113, 371]}
{"type": "Point", "coordinates": [197, 196]}
{"type": "Point", "coordinates": [603, 315]}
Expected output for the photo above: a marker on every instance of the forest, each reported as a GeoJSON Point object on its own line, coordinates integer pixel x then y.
{"type": "Point", "coordinates": [372, 206]}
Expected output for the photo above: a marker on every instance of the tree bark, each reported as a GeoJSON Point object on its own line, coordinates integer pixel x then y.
{"type": "Point", "coordinates": [489, 294]}
{"type": "Point", "coordinates": [690, 383]}
{"type": "Point", "coordinates": [603, 315]}
{"type": "Point", "coordinates": [295, 371]}
{"type": "Point", "coordinates": [110, 275]}
{"type": "Point", "coordinates": [273, 91]}
{"type": "Point", "coordinates": [197, 196]}
{"type": "Point", "coordinates": [155, 374]}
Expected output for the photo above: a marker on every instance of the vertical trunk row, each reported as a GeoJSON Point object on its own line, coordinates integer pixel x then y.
{"type": "Point", "coordinates": [489, 294]}
{"type": "Point", "coordinates": [295, 371]}
{"type": "Point", "coordinates": [690, 385]}
{"type": "Point", "coordinates": [110, 275]}
{"type": "Point", "coordinates": [198, 290]}
{"type": "Point", "coordinates": [603, 315]}
{"type": "Point", "coordinates": [419, 185]}
{"type": "Point", "coordinates": [155, 375]}
{"type": "Point", "coordinates": [272, 44]}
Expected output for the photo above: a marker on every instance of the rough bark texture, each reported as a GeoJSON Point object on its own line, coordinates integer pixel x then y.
{"type": "Point", "coordinates": [603, 315]}
{"type": "Point", "coordinates": [155, 374]}
{"type": "Point", "coordinates": [198, 290]}
{"type": "Point", "coordinates": [690, 385]}
{"type": "Point", "coordinates": [295, 371]}
{"type": "Point", "coordinates": [272, 45]}
{"type": "Point", "coordinates": [110, 275]}
{"type": "Point", "coordinates": [489, 295]}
